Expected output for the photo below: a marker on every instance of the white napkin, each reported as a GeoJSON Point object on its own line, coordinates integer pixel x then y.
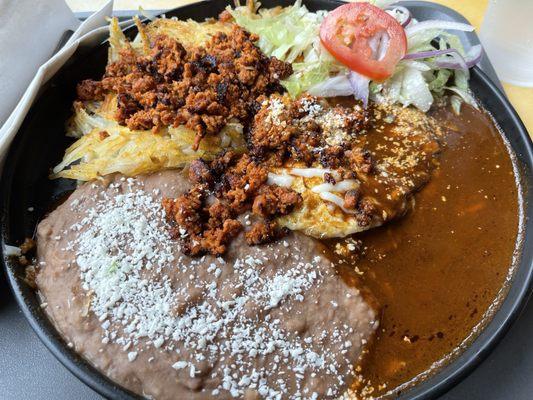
{"type": "Point", "coordinates": [29, 34]}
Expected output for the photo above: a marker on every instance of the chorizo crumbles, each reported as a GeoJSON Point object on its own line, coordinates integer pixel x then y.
{"type": "Point", "coordinates": [283, 132]}
{"type": "Point", "coordinates": [226, 191]}
{"type": "Point", "coordinates": [201, 88]}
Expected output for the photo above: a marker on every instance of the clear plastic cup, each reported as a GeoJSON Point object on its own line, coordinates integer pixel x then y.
{"type": "Point", "coordinates": [507, 36]}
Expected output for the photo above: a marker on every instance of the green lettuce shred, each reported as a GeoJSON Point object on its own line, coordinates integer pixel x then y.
{"type": "Point", "coordinates": [291, 34]}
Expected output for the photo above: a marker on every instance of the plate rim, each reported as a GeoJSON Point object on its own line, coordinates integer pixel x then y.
{"type": "Point", "coordinates": [88, 374]}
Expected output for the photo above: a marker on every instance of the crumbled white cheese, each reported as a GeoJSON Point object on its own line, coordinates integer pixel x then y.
{"type": "Point", "coordinates": [122, 243]}
{"type": "Point", "coordinates": [180, 365]}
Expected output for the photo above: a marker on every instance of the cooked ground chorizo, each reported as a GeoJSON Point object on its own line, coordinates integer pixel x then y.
{"type": "Point", "coordinates": [90, 90]}
{"type": "Point", "coordinates": [264, 232]}
{"type": "Point", "coordinates": [365, 210]}
{"type": "Point", "coordinates": [310, 131]}
{"type": "Point", "coordinates": [241, 182]}
{"type": "Point", "coordinates": [351, 198]}
{"type": "Point", "coordinates": [201, 88]}
{"type": "Point", "coordinates": [185, 210]}
{"type": "Point", "coordinates": [239, 185]}
{"type": "Point", "coordinates": [200, 228]}
{"type": "Point", "coordinates": [275, 200]}
{"type": "Point", "coordinates": [199, 172]}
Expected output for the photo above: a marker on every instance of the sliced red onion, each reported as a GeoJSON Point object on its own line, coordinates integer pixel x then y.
{"type": "Point", "coordinates": [428, 54]}
{"type": "Point", "coordinates": [459, 62]}
{"type": "Point", "coordinates": [472, 58]}
{"type": "Point", "coordinates": [437, 24]}
{"type": "Point", "coordinates": [360, 85]}
{"type": "Point", "coordinates": [379, 44]}
{"type": "Point", "coordinates": [474, 55]}
{"type": "Point", "coordinates": [401, 14]}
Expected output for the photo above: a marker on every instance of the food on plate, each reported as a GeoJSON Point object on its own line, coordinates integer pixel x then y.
{"type": "Point", "coordinates": [279, 204]}
{"type": "Point", "coordinates": [175, 326]}
{"type": "Point", "coordinates": [353, 169]}
{"type": "Point", "coordinates": [365, 38]}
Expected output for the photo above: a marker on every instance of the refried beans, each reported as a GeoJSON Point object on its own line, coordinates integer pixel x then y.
{"type": "Point", "coordinates": [260, 322]}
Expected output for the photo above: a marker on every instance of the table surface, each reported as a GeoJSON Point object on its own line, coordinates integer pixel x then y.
{"type": "Point", "coordinates": [504, 375]}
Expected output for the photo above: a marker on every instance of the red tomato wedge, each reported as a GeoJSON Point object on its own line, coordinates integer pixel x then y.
{"type": "Point", "coordinates": [364, 38]}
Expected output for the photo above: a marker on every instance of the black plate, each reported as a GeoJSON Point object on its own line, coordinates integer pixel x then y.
{"type": "Point", "coordinates": [40, 144]}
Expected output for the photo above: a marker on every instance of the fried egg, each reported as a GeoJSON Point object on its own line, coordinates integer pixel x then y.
{"type": "Point", "coordinates": [403, 146]}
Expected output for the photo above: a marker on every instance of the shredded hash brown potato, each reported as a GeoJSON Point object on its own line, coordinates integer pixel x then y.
{"type": "Point", "coordinates": [104, 147]}
{"type": "Point", "coordinates": [189, 33]}
{"type": "Point", "coordinates": [118, 149]}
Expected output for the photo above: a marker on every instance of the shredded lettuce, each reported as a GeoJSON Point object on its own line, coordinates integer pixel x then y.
{"type": "Point", "coordinates": [291, 34]}
{"type": "Point", "coordinates": [438, 83]}
{"type": "Point", "coordinates": [407, 86]}
{"type": "Point", "coordinates": [283, 33]}
{"type": "Point", "coordinates": [419, 83]}
{"type": "Point", "coordinates": [460, 90]}
{"type": "Point", "coordinates": [306, 75]}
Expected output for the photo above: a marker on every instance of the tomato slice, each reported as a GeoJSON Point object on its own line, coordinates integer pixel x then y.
{"type": "Point", "coordinates": [364, 38]}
